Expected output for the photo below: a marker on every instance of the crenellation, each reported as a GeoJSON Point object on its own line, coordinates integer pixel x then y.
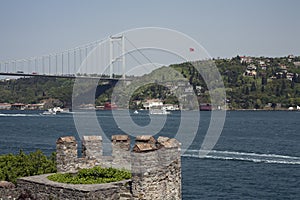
{"type": "Point", "coordinates": [121, 141]}
{"type": "Point", "coordinates": [145, 139]}
{"type": "Point", "coordinates": [92, 147]}
{"type": "Point", "coordinates": [144, 147]}
{"type": "Point", "coordinates": [66, 154]}
{"type": "Point", "coordinates": [155, 167]}
{"type": "Point", "coordinates": [156, 170]}
{"type": "Point", "coordinates": [121, 156]}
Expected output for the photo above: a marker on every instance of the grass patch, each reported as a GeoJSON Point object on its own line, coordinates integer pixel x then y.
{"type": "Point", "coordinates": [94, 175]}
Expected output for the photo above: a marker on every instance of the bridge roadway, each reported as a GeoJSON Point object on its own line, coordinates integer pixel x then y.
{"type": "Point", "coordinates": [71, 76]}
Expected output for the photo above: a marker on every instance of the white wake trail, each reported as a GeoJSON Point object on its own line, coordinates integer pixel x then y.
{"type": "Point", "coordinates": [245, 156]}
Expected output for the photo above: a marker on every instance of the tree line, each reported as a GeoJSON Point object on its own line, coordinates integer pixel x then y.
{"type": "Point", "coordinates": [275, 84]}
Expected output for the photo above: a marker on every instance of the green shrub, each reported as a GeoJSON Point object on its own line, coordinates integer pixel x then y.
{"type": "Point", "coordinates": [21, 165]}
{"type": "Point", "coordinates": [94, 175]}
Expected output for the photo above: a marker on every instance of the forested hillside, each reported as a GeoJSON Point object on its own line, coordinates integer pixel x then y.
{"type": "Point", "coordinates": [250, 83]}
{"type": "Point", "coordinates": [36, 89]}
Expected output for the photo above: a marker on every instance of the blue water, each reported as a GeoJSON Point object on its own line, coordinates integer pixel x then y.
{"type": "Point", "coordinates": [256, 157]}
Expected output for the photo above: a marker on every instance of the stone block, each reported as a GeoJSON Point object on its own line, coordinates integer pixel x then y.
{"type": "Point", "coordinates": [90, 138]}
{"type": "Point", "coordinates": [162, 139]}
{"type": "Point", "coordinates": [169, 143]}
{"type": "Point", "coordinates": [66, 153]}
{"type": "Point", "coordinates": [116, 138]}
{"type": "Point", "coordinates": [120, 142]}
{"type": "Point", "coordinates": [145, 139]}
{"type": "Point", "coordinates": [144, 147]}
{"type": "Point", "coordinates": [92, 147]}
{"type": "Point", "coordinates": [67, 139]}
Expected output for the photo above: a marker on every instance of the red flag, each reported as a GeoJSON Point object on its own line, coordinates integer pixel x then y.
{"type": "Point", "coordinates": [192, 49]}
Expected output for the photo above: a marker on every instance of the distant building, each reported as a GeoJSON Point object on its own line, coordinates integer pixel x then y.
{"type": "Point", "coordinates": [297, 64]}
{"type": "Point", "coordinates": [263, 67]}
{"type": "Point", "coordinates": [290, 76]}
{"type": "Point", "coordinates": [251, 67]}
{"type": "Point", "coordinates": [152, 103]}
{"type": "Point", "coordinates": [283, 67]}
{"type": "Point", "coordinates": [18, 106]}
{"type": "Point", "coordinates": [246, 59]}
{"type": "Point", "coordinates": [198, 90]}
{"type": "Point", "coordinates": [38, 106]}
{"type": "Point", "coordinates": [5, 106]}
{"type": "Point", "coordinates": [251, 70]}
{"type": "Point", "coordinates": [173, 88]}
{"type": "Point", "coordinates": [262, 62]}
{"type": "Point", "coordinates": [189, 89]}
{"type": "Point", "coordinates": [168, 84]}
{"type": "Point", "coordinates": [170, 107]}
{"type": "Point", "coordinates": [181, 83]}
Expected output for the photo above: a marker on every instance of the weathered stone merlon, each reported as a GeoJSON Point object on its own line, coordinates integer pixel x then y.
{"type": "Point", "coordinates": [120, 138]}
{"type": "Point", "coordinates": [145, 139]}
{"type": "Point", "coordinates": [86, 138]}
{"type": "Point", "coordinates": [146, 143]}
{"type": "Point", "coordinates": [66, 154]}
{"type": "Point", "coordinates": [156, 168]}
{"type": "Point", "coordinates": [121, 144]}
{"type": "Point", "coordinates": [92, 147]}
{"type": "Point", "coordinates": [143, 147]}
{"type": "Point", "coordinates": [162, 139]}
{"type": "Point", "coordinates": [67, 139]}
{"type": "Point", "coordinates": [169, 143]}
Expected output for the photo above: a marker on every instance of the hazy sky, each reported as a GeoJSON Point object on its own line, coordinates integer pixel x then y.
{"type": "Point", "coordinates": [224, 28]}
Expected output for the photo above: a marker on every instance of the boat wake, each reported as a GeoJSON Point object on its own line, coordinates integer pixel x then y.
{"type": "Point", "coordinates": [19, 115]}
{"type": "Point", "coordinates": [243, 156]}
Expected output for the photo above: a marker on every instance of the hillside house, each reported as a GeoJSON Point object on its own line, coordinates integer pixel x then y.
{"type": "Point", "coordinates": [152, 103]}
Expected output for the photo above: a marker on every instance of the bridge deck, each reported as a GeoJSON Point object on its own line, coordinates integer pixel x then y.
{"type": "Point", "coordinates": [64, 76]}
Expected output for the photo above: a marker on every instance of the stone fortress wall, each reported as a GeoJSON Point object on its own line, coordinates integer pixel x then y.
{"type": "Point", "coordinates": [92, 153]}
{"type": "Point", "coordinates": [155, 166]}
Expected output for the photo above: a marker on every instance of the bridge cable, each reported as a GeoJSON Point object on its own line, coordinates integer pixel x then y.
{"type": "Point", "coordinates": [149, 60]}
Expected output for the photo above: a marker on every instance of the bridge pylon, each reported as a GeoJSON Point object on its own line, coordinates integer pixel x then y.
{"type": "Point", "coordinates": [120, 57]}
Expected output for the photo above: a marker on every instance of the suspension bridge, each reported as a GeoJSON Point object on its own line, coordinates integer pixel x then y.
{"type": "Point", "coordinates": [103, 59]}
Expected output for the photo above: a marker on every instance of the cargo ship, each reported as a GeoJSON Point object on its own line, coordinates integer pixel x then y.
{"type": "Point", "coordinates": [205, 107]}
{"type": "Point", "coordinates": [110, 106]}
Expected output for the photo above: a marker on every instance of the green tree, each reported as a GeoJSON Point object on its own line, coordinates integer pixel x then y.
{"type": "Point", "coordinates": [253, 87]}
{"type": "Point", "coordinates": [264, 80]}
{"type": "Point", "coordinates": [277, 91]}
{"type": "Point", "coordinates": [246, 90]}
{"type": "Point", "coordinates": [20, 165]}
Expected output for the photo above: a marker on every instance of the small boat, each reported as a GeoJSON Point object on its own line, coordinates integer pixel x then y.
{"type": "Point", "coordinates": [136, 112]}
{"type": "Point", "coordinates": [59, 110]}
{"type": "Point", "coordinates": [55, 110]}
{"type": "Point", "coordinates": [159, 112]}
{"type": "Point", "coordinates": [49, 112]}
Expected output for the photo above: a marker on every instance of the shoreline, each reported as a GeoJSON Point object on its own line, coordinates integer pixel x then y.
{"type": "Point", "coordinates": [171, 110]}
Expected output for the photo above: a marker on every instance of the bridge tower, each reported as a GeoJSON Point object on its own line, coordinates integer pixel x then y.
{"type": "Point", "coordinates": [120, 57]}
